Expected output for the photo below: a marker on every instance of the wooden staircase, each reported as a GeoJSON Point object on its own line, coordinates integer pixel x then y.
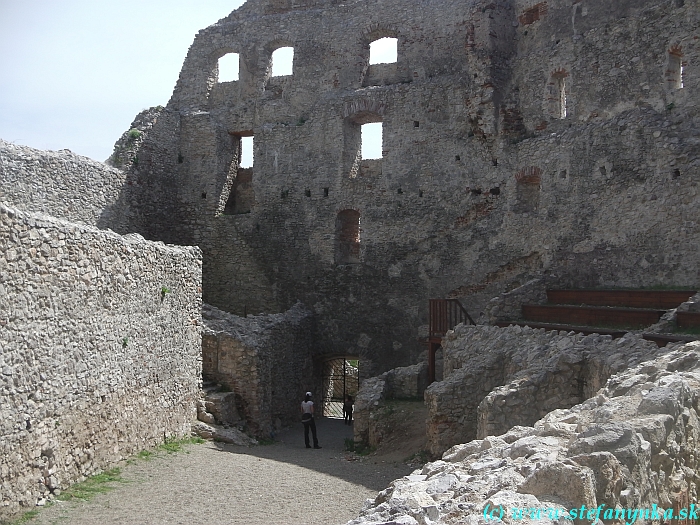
{"type": "Point", "coordinates": [608, 312]}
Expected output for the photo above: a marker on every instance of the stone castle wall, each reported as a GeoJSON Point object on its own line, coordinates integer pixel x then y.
{"type": "Point", "coordinates": [100, 350]}
{"type": "Point", "coordinates": [65, 185]}
{"type": "Point", "coordinates": [265, 360]}
{"type": "Point", "coordinates": [519, 139]}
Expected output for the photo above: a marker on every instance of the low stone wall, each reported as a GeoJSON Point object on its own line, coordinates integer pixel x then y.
{"type": "Point", "coordinates": [407, 382]}
{"type": "Point", "coordinates": [496, 378]}
{"type": "Point", "coordinates": [631, 446]}
{"type": "Point", "coordinates": [266, 360]}
{"type": "Point", "coordinates": [64, 184]}
{"type": "Point", "coordinates": [100, 351]}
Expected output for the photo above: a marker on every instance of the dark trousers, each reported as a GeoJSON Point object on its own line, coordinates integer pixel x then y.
{"type": "Point", "coordinates": [310, 424]}
{"type": "Point", "coordinates": [348, 416]}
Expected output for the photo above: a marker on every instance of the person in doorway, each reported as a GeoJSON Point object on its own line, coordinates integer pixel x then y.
{"type": "Point", "coordinates": [307, 417]}
{"type": "Point", "coordinates": [347, 409]}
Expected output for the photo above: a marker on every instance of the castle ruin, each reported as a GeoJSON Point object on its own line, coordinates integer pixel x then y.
{"type": "Point", "coordinates": [520, 139]}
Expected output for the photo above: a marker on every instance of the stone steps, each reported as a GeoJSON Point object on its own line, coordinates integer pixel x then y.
{"type": "Point", "coordinates": [218, 407]}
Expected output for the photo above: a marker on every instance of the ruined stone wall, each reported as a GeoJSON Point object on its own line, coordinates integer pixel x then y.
{"type": "Point", "coordinates": [407, 382]}
{"type": "Point", "coordinates": [497, 378]}
{"type": "Point", "coordinates": [519, 139]}
{"type": "Point", "coordinates": [265, 360]}
{"type": "Point", "coordinates": [632, 446]}
{"type": "Point", "coordinates": [99, 351]}
{"type": "Point", "coordinates": [63, 184]}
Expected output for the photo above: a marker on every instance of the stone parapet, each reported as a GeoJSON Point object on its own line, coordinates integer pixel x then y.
{"type": "Point", "coordinates": [63, 184]}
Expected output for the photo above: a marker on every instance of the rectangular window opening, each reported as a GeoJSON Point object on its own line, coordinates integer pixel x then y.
{"type": "Point", "coordinates": [229, 67]}
{"type": "Point", "coordinates": [246, 152]}
{"type": "Point", "coordinates": [561, 87]}
{"type": "Point", "coordinates": [674, 73]}
{"type": "Point", "coordinates": [371, 147]}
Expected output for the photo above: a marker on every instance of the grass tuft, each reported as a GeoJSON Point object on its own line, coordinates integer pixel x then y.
{"type": "Point", "coordinates": [97, 484]}
{"type": "Point", "coordinates": [175, 445]}
{"type": "Point", "coordinates": [24, 518]}
{"type": "Point", "coordinates": [358, 448]}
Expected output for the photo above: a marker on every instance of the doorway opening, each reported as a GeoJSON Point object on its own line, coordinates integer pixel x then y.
{"type": "Point", "coordinates": [341, 377]}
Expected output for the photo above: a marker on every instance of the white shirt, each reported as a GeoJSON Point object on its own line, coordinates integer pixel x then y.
{"type": "Point", "coordinates": [307, 406]}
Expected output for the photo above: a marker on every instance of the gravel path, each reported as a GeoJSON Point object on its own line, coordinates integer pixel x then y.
{"type": "Point", "coordinates": [214, 483]}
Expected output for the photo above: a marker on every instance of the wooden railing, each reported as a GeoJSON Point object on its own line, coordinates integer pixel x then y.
{"type": "Point", "coordinates": [445, 314]}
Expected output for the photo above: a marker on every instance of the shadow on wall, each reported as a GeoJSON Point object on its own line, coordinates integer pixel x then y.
{"type": "Point", "coordinates": [265, 360]}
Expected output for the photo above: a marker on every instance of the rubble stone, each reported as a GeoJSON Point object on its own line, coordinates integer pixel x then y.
{"type": "Point", "coordinates": [606, 452]}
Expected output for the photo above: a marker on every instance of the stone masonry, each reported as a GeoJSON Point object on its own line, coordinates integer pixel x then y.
{"type": "Point", "coordinates": [632, 446]}
{"type": "Point", "coordinates": [497, 378]}
{"type": "Point", "coordinates": [520, 139]}
{"type": "Point", "coordinates": [523, 142]}
{"type": "Point", "coordinates": [266, 361]}
{"type": "Point", "coordinates": [99, 351]}
{"type": "Point", "coordinates": [408, 382]}
{"type": "Point", "coordinates": [65, 185]}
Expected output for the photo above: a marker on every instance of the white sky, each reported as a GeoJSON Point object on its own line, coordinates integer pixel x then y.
{"type": "Point", "coordinates": [74, 73]}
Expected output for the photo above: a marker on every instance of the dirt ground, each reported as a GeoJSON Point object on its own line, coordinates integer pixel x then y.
{"type": "Point", "coordinates": [279, 484]}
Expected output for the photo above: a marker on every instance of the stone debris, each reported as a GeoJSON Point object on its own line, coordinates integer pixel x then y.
{"type": "Point", "coordinates": [225, 435]}
{"type": "Point", "coordinates": [632, 445]}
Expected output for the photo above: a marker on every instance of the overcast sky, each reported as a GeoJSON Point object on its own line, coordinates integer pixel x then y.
{"type": "Point", "coordinates": [74, 73]}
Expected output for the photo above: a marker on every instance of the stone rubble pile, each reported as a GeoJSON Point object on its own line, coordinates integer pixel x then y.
{"type": "Point", "coordinates": [632, 445]}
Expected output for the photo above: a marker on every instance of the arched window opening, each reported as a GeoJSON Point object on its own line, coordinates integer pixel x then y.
{"type": "Point", "coordinates": [347, 234]}
{"type": "Point", "coordinates": [371, 140]}
{"type": "Point", "coordinates": [282, 62]}
{"type": "Point", "coordinates": [674, 71]}
{"type": "Point", "coordinates": [383, 51]}
{"type": "Point", "coordinates": [229, 65]}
